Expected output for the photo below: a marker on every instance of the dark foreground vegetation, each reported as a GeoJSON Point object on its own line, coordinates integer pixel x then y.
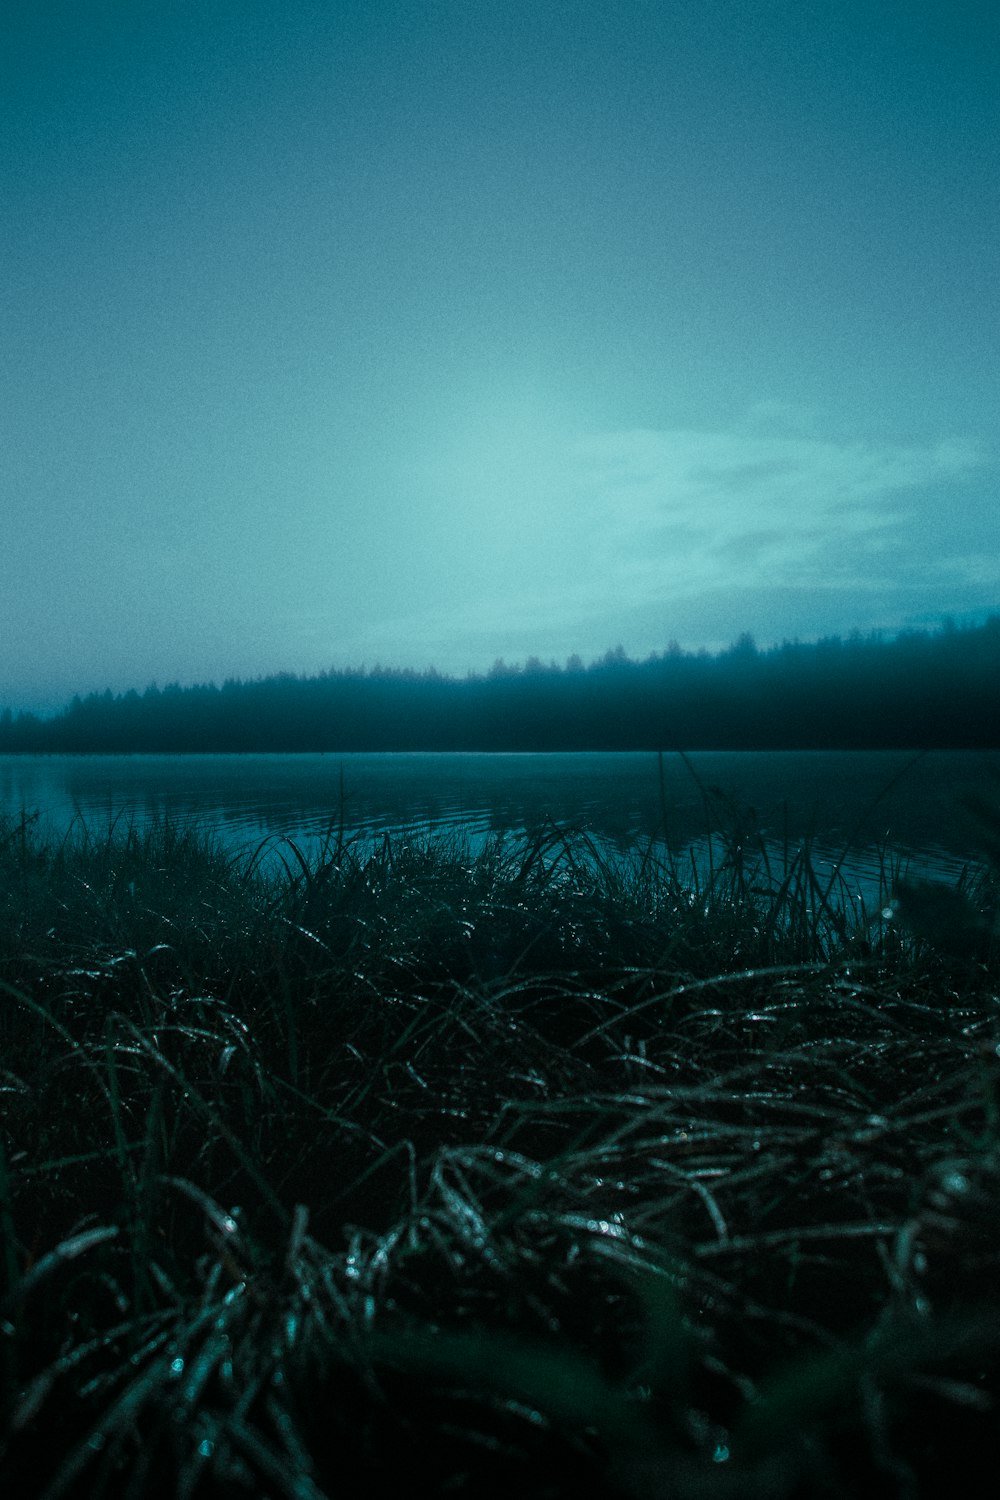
{"type": "Point", "coordinates": [918, 691]}
{"type": "Point", "coordinates": [524, 1174]}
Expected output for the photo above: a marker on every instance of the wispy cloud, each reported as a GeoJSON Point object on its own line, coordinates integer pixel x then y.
{"type": "Point", "coordinates": [572, 542]}
{"type": "Point", "coordinates": [777, 508]}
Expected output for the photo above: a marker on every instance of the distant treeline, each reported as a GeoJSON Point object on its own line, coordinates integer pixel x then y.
{"type": "Point", "coordinates": [918, 690]}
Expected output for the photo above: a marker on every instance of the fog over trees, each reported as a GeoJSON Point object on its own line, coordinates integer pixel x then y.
{"type": "Point", "coordinates": [918, 690]}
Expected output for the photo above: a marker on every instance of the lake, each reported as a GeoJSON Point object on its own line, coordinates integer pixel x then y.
{"type": "Point", "coordinates": [861, 800]}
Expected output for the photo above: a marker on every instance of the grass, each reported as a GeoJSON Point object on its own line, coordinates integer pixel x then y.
{"type": "Point", "coordinates": [532, 1171]}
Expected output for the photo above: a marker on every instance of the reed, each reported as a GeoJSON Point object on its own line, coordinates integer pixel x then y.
{"type": "Point", "coordinates": [540, 1167]}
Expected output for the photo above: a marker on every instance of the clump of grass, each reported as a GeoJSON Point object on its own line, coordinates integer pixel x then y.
{"type": "Point", "coordinates": [538, 1169]}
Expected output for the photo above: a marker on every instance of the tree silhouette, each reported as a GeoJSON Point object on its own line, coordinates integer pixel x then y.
{"type": "Point", "coordinates": [919, 690]}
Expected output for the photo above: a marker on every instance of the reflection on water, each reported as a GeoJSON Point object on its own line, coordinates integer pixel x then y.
{"type": "Point", "coordinates": [857, 801]}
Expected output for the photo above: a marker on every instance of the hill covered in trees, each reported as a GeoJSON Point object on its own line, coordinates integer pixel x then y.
{"type": "Point", "coordinates": [918, 690]}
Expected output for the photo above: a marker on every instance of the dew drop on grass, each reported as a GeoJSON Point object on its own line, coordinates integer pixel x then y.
{"type": "Point", "coordinates": [176, 1367]}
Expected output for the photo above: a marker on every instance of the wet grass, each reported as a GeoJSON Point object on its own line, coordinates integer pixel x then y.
{"type": "Point", "coordinates": [535, 1171]}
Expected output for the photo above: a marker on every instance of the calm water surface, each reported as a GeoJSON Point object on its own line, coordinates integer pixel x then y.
{"type": "Point", "coordinates": [858, 800]}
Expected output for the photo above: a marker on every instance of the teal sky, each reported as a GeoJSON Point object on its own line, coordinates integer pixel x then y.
{"type": "Point", "coordinates": [430, 331]}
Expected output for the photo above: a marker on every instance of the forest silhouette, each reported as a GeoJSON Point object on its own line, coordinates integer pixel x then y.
{"type": "Point", "coordinates": [918, 690]}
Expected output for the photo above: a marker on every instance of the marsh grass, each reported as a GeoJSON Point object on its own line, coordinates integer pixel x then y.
{"type": "Point", "coordinates": [535, 1170]}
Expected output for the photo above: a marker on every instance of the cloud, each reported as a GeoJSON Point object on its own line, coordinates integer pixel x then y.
{"type": "Point", "coordinates": [689, 509]}
{"type": "Point", "coordinates": [550, 541]}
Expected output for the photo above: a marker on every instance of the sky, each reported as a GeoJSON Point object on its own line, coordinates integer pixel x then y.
{"type": "Point", "coordinates": [343, 333]}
